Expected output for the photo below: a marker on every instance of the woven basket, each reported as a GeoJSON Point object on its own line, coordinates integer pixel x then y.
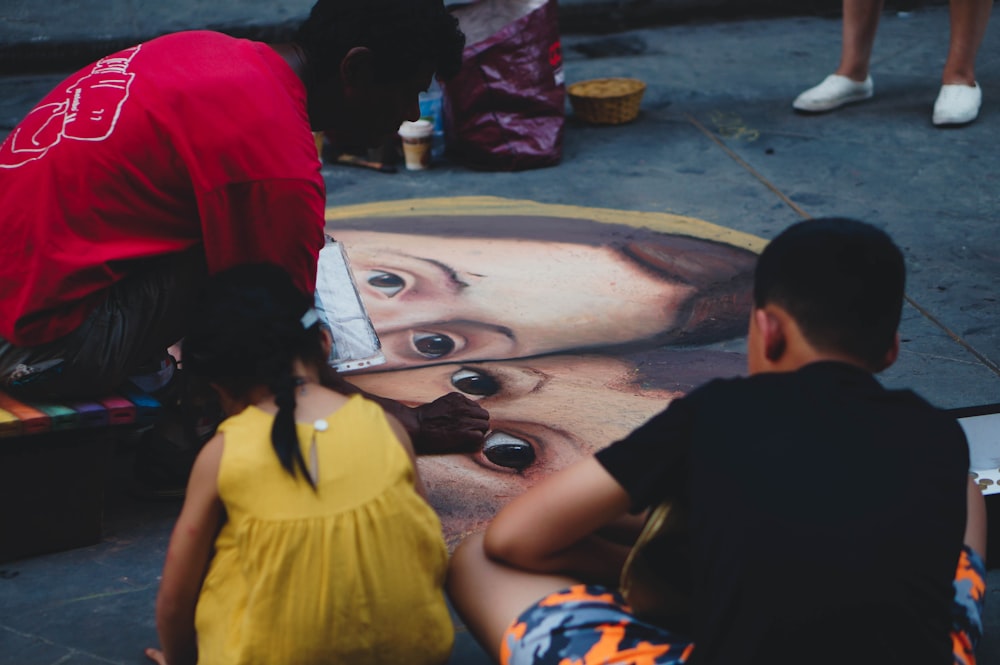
{"type": "Point", "coordinates": [610, 101]}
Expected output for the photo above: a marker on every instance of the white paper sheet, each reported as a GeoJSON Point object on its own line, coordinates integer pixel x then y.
{"type": "Point", "coordinates": [983, 433]}
{"type": "Point", "coordinates": [355, 343]}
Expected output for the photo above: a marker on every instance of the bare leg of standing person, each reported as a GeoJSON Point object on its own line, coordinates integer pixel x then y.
{"type": "Point", "coordinates": [858, 37]}
{"type": "Point", "coordinates": [851, 82]}
{"type": "Point", "coordinates": [968, 27]}
{"type": "Point", "coordinates": [960, 97]}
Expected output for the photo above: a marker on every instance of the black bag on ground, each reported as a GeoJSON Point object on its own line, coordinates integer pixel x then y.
{"type": "Point", "coordinates": [505, 109]}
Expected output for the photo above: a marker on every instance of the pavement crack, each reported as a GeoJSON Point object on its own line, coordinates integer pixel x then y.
{"type": "Point", "coordinates": [106, 594]}
{"type": "Point", "coordinates": [751, 170]}
{"type": "Point", "coordinates": [71, 652]}
{"type": "Point", "coordinates": [955, 337]}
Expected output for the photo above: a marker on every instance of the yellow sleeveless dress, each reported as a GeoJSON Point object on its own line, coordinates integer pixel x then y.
{"type": "Point", "coordinates": [351, 573]}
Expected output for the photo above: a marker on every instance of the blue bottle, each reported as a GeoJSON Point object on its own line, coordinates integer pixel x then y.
{"type": "Point", "coordinates": [431, 109]}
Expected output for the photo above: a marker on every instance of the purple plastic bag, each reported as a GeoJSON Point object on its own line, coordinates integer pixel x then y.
{"type": "Point", "coordinates": [505, 109]}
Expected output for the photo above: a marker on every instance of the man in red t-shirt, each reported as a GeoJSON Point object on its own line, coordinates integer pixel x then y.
{"type": "Point", "coordinates": [155, 166]}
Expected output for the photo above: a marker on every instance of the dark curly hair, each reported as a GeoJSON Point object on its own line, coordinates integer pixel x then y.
{"type": "Point", "coordinates": [246, 332]}
{"type": "Point", "coordinates": [401, 34]}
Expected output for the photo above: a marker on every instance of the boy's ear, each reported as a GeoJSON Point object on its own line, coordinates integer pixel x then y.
{"type": "Point", "coordinates": [772, 334]}
{"type": "Point", "coordinates": [357, 69]}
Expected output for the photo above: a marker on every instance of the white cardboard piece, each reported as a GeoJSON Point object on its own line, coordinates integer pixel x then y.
{"type": "Point", "coordinates": [355, 343]}
{"type": "Point", "coordinates": [983, 433]}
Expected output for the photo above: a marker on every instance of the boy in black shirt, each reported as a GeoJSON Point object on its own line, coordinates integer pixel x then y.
{"type": "Point", "coordinates": [824, 515]}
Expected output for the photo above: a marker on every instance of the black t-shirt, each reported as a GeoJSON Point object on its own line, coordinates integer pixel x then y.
{"type": "Point", "coordinates": [826, 515]}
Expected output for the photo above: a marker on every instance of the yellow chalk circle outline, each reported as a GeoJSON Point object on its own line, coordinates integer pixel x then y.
{"type": "Point", "coordinates": [488, 206]}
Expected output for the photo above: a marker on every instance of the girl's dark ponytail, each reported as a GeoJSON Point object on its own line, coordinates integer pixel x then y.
{"type": "Point", "coordinates": [250, 327]}
{"type": "Point", "coordinates": [284, 436]}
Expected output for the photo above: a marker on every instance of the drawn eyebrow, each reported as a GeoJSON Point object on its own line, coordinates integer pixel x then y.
{"type": "Point", "coordinates": [450, 273]}
{"type": "Point", "coordinates": [502, 330]}
{"type": "Point", "coordinates": [483, 325]}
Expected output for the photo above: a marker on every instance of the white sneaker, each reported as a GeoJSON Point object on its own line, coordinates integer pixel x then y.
{"type": "Point", "coordinates": [957, 104]}
{"type": "Point", "coordinates": [832, 93]}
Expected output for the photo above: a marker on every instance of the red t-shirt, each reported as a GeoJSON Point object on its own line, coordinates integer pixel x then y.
{"type": "Point", "coordinates": [190, 139]}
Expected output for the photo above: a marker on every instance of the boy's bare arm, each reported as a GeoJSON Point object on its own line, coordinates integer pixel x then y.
{"type": "Point", "coordinates": [975, 521]}
{"type": "Point", "coordinates": [554, 527]}
{"type": "Point", "coordinates": [626, 529]}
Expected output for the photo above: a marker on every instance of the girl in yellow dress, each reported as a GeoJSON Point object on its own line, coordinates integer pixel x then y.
{"type": "Point", "coordinates": [304, 536]}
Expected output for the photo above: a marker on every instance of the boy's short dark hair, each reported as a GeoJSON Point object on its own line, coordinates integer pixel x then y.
{"type": "Point", "coordinates": [841, 280]}
{"type": "Point", "coordinates": [401, 34]}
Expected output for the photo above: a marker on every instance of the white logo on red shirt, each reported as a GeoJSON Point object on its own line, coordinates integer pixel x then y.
{"type": "Point", "coordinates": [89, 113]}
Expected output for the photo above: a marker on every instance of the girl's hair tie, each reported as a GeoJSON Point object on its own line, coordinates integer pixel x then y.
{"type": "Point", "coordinates": [309, 319]}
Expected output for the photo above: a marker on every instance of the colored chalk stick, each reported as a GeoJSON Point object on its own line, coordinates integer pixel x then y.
{"type": "Point", "coordinates": [89, 414]}
{"type": "Point", "coordinates": [60, 416]}
{"type": "Point", "coordinates": [120, 410]}
{"type": "Point", "coordinates": [147, 407]}
{"type": "Point", "coordinates": [10, 425]}
{"type": "Point", "coordinates": [33, 421]}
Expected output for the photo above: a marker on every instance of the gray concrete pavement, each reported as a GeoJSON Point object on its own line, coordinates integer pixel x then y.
{"type": "Point", "coordinates": [38, 36]}
{"type": "Point", "coordinates": [716, 140]}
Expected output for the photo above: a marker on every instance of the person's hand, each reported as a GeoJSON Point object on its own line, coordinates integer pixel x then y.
{"type": "Point", "coordinates": [450, 424]}
{"type": "Point", "coordinates": [156, 656]}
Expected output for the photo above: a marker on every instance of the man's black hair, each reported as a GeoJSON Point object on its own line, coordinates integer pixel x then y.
{"type": "Point", "coordinates": [401, 34]}
{"type": "Point", "coordinates": [841, 280]}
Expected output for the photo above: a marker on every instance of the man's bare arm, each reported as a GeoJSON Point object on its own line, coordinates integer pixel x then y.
{"type": "Point", "coordinates": [452, 423]}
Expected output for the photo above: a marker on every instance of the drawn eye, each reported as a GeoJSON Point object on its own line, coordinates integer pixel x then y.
{"type": "Point", "coordinates": [433, 345]}
{"type": "Point", "coordinates": [508, 451]}
{"type": "Point", "coordinates": [386, 282]}
{"type": "Point", "coordinates": [475, 382]}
